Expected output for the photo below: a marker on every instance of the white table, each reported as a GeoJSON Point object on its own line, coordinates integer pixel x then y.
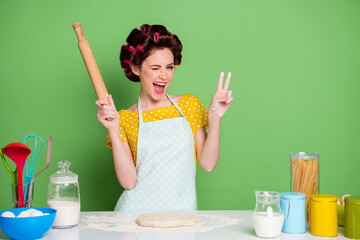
{"type": "Point", "coordinates": [242, 230]}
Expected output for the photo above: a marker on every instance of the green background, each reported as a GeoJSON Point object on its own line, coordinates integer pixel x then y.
{"type": "Point", "coordinates": [295, 67]}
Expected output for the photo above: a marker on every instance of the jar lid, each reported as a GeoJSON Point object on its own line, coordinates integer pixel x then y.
{"type": "Point", "coordinates": [305, 155]}
{"type": "Point", "coordinates": [64, 175]}
{"type": "Point", "coordinates": [293, 195]}
{"type": "Point", "coordinates": [324, 198]}
{"type": "Point", "coordinates": [352, 199]}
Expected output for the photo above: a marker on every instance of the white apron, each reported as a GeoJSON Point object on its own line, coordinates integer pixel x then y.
{"type": "Point", "coordinates": [165, 167]}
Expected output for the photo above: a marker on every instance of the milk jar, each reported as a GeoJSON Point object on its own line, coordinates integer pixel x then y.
{"type": "Point", "coordinates": [64, 196]}
{"type": "Point", "coordinates": [267, 217]}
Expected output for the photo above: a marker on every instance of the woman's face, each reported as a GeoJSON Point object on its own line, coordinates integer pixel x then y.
{"type": "Point", "coordinates": [156, 73]}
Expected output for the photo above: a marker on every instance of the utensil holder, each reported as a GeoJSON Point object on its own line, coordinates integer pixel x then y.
{"type": "Point", "coordinates": [16, 203]}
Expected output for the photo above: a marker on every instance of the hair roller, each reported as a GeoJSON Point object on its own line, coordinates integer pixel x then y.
{"type": "Point", "coordinates": [128, 72]}
{"type": "Point", "coordinates": [148, 36]}
{"type": "Point", "coordinates": [140, 48]}
{"type": "Point", "coordinates": [156, 37]}
{"type": "Point", "coordinates": [143, 28]}
{"type": "Point", "coordinates": [128, 62]}
{"type": "Point", "coordinates": [132, 49]}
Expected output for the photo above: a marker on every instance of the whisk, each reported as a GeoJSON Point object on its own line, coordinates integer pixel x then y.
{"type": "Point", "coordinates": [29, 174]}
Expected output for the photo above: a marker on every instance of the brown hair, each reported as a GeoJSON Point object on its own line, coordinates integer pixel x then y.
{"type": "Point", "coordinates": [141, 43]}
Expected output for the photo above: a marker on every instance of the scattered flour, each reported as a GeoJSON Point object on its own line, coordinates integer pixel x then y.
{"type": "Point", "coordinates": [123, 222]}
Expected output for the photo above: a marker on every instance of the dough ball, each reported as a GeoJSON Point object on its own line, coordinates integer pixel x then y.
{"type": "Point", "coordinates": [31, 210]}
{"type": "Point", "coordinates": [8, 214]}
{"type": "Point", "coordinates": [167, 219]}
{"type": "Point", "coordinates": [24, 214]}
{"type": "Point", "coordinates": [36, 213]}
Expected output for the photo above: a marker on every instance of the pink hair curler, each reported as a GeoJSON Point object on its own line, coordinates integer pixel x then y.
{"type": "Point", "coordinates": [143, 28]}
{"type": "Point", "coordinates": [140, 48]}
{"type": "Point", "coordinates": [132, 49]}
{"type": "Point", "coordinates": [148, 36]}
{"type": "Point", "coordinates": [156, 37]}
{"type": "Point", "coordinates": [128, 72]}
{"type": "Point", "coordinates": [128, 62]}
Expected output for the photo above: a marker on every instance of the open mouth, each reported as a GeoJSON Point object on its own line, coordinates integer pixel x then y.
{"type": "Point", "coordinates": [159, 87]}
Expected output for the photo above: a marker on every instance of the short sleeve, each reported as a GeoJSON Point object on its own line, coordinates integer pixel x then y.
{"type": "Point", "coordinates": [195, 112]}
{"type": "Point", "coordinates": [122, 132]}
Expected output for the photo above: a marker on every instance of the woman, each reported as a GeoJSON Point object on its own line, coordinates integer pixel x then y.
{"type": "Point", "coordinates": [155, 141]}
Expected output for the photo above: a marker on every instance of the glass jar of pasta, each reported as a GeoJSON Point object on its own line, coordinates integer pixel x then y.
{"type": "Point", "coordinates": [305, 175]}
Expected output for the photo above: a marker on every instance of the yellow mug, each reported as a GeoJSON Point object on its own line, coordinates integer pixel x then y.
{"type": "Point", "coordinates": [323, 215]}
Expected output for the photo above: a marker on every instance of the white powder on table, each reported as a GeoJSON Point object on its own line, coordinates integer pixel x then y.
{"type": "Point", "coordinates": [122, 222]}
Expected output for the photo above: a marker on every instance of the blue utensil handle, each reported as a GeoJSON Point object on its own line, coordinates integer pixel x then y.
{"type": "Point", "coordinates": [27, 183]}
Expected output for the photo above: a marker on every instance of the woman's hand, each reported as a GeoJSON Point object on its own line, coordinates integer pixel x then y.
{"type": "Point", "coordinates": [107, 113]}
{"type": "Point", "coordinates": [222, 99]}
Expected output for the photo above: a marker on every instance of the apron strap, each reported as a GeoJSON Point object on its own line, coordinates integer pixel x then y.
{"type": "Point", "coordinates": [140, 111]}
{"type": "Point", "coordinates": [177, 107]}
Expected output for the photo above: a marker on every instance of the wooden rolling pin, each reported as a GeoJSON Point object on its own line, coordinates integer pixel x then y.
{"type": "Point", "coordinates": [90, 63]}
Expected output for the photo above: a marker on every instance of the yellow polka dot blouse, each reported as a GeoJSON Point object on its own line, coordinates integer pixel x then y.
{"type": "Point", "coordinates": [190, 105]}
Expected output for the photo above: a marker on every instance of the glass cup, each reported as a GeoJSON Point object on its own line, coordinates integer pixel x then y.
{"type": "Point", "coordinates": [15, 200]}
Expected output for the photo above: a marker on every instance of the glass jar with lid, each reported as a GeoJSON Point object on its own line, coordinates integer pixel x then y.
{"type": "Point", "coordinates": [64, 196]}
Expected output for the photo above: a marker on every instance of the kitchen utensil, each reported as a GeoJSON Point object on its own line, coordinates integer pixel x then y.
{"type": "Point", "coordinates": [352, 217]}
{"type": "Point", "coordinates": [323, 216]}
{"type": "Point", "coordinates": [64, 196]}
{"type": "Point", "coordinates": [305, 175]}
{"type": "Point", "coordinates": [29, 174]}
{"type": "Point", "coordinates": [18, 152]}
{"type": "Point", "coordinates": [27, 227]}
{"type": "Point", "coordinates": [47, 164]}
{"type": "Point", "coordinates": [13, 173]}
{"type": "Point", "coordinates": [292, 205]}
{"type": "Point", "coordinates": [90, 63]}
{"type": "Point", "coordinates": [267, 217]}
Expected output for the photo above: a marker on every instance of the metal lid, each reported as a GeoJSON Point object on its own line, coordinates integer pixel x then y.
{"type": "Point", "coordinates": [64, 175]}
{"type": "Point", "coordinates": [293, 195]}
{"type": "Point", "coordinates": [323, 198]}
{"type": "Point", "coordinates": [352, 199]}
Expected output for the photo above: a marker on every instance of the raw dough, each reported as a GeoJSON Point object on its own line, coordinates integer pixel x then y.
{"type": "Point", "coordinates": [167, 219]}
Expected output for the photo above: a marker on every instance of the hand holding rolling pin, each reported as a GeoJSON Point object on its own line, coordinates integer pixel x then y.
{"type": "Point", "coordinates": [107, 113]}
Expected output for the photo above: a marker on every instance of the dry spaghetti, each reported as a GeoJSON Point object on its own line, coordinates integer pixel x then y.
{"type": "Point", "coordinates": [305, 176]}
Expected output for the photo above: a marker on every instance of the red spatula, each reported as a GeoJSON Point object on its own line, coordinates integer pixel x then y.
{"type": "Point", "coordinates": [18, 152]}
